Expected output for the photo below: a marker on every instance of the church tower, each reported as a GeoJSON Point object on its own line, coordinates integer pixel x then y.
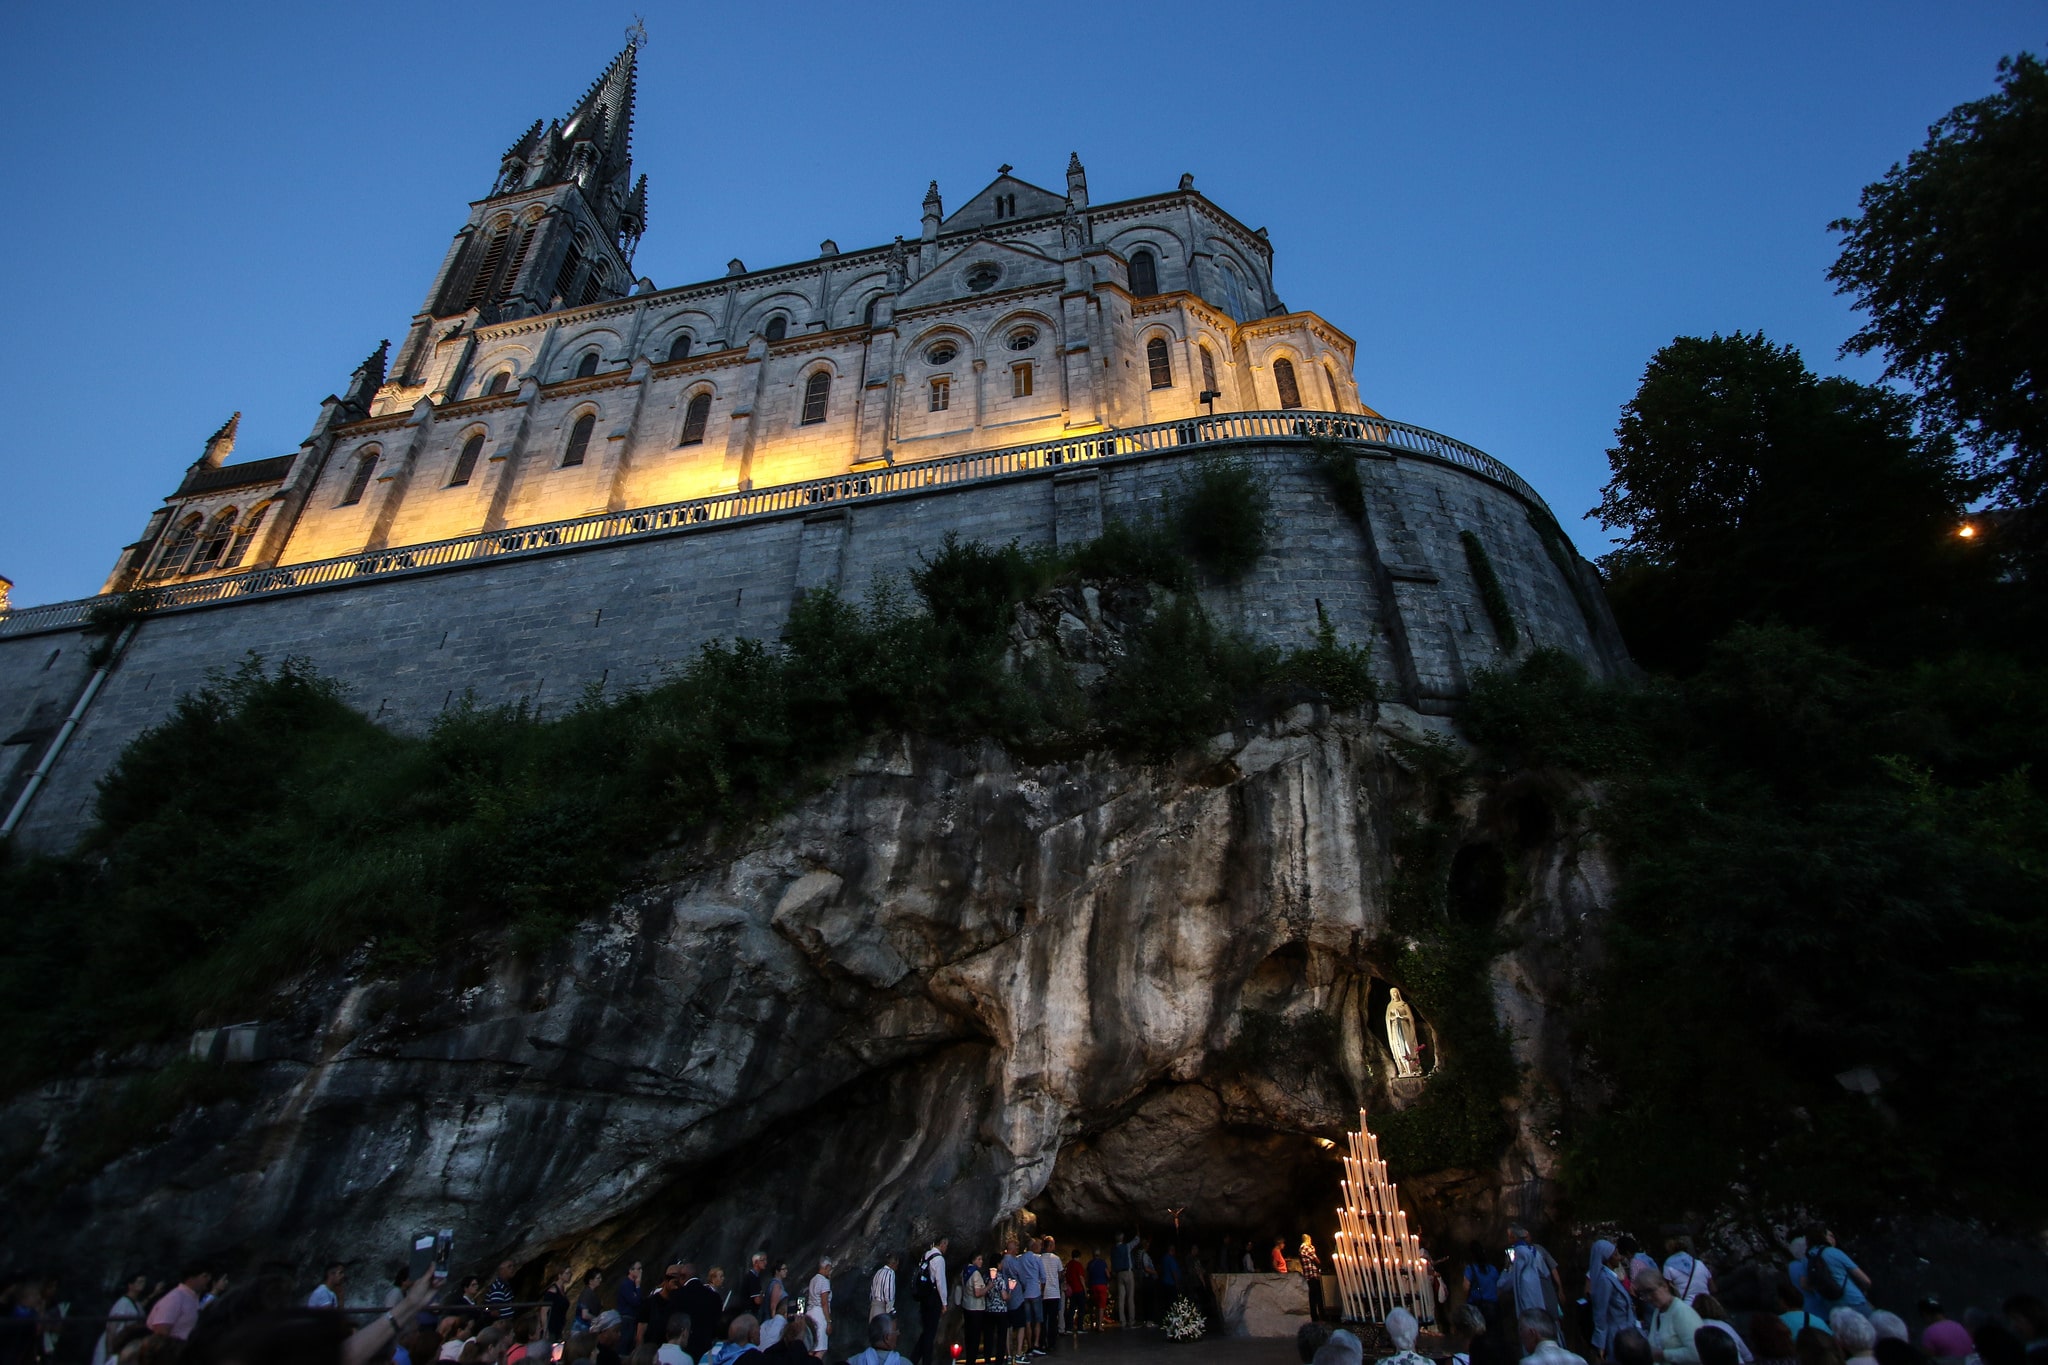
{"type": "Point", "coordinates": [557, 230]}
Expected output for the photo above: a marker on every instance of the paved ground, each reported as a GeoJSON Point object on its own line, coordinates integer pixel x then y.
{"type": "Point", "coordinates": [1148, 1346]}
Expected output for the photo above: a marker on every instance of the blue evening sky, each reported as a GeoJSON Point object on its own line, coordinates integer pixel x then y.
{"type": "Point", "coordinates": [1510, 206]}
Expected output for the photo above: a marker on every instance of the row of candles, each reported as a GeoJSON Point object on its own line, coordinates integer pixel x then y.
{"type": "Point", "coordinates": [1379, 1263]}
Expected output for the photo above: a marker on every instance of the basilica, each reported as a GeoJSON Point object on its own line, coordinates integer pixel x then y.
{"type": "Point", "coordinates": [542, 381]}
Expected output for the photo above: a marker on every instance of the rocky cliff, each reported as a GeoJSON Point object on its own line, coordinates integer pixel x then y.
{"type": "Point", "coordinates": [944, 989]}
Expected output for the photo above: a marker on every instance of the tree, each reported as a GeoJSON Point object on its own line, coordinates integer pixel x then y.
{"type": "Point", "coordinates": [1750, 489]}
{"type": "Point", "coordinates": [1947, 258]}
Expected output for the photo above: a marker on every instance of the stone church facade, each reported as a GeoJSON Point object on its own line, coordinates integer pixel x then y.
{"type": "Point", "coordinates": [564, 477]}
{"type": "Point", "coordinates": [541, 381]}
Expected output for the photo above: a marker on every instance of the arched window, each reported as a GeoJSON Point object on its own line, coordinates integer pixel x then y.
{"type": "Point", "coordinates": [178, 547]}
{"type": "Point", "coordinates": [1336, 393]}
{"type": "Point", "coordinates": [520, 245]}
{"type": "Point", "coordinates": [695, 418]}
{"type": "Point", "coordinates": [487, 268]}
{"type": "Point", "coordinates": [565, 278]}
{"type": "Point", "coordinates": [579, 439]}
{"type": "Point", "coordinates": [499, 382]}
{"type": "Point", "coordinates": [1283, 380]}
{"type": "Point", "coordinates": [245, 535]}
{"type": "Point", "coordinates": [816, 390]}
{"type": "Point", "coordinates": [587, 366]}
{"type": "Point", "coordinates": [1233, 291]}
{"type": "Point", "coordinates": [777, 328]}
{"type": "Point", "coordinates": [359, 482]}
{"type": "Point", "coordinates": [867, 314]}
{"type": "Point", "coordinates": [679, 349]}
{"type": "Point", "coordinates": [1144, 272]}
{"type": "Point", "coordinates": [1159, 362]}
{"type": "Point", "coordinates": [465, 463]}
{"type": "Point", "coordinates": [1208, 371]}
{"type": "Point", "coordinates": [594, 286]}
{"type": "Point", "coordinates": [214, 544]}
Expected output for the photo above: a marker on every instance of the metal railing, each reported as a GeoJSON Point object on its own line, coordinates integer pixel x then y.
{"type": "Point", "coordinates": [947, 471]}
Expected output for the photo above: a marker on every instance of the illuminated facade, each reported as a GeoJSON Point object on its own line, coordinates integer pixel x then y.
{"type": "Point", "coordinates": [542, 381]}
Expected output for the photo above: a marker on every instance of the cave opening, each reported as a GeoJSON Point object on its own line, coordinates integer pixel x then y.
{"type": "Point", "coordinates": [1181, 1154]}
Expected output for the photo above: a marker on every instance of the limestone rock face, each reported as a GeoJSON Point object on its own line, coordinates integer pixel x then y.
{"type": "Point", "coordinates": [948, 990]}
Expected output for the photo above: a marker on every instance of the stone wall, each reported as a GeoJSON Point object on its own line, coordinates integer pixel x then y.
{"type": "Point", "coordinates": [542, 628]}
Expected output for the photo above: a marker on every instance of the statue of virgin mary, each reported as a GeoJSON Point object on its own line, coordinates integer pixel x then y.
{"type": "Point", "coordinates": [1401, 1036]}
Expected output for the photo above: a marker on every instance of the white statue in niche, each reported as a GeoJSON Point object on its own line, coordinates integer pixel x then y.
{"type": "Point", "coordinates": [1401, 1036]}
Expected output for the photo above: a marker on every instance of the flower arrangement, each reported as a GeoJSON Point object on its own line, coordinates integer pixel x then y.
{"type": "Point", "coordinates": [1184, 1321]}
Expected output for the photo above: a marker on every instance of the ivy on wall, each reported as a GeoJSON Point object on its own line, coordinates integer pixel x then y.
{"type": "Point", "coordinates": [1491, 595]}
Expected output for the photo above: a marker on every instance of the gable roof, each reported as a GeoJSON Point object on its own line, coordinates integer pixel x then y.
{"type": "Point", "coordinates": [981, 209]}
{"type": "Point", "coordinates": [1015, 263]}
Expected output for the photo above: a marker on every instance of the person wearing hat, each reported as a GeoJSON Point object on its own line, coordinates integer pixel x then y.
{"type": "Point", "coordinates": [604, 1328]}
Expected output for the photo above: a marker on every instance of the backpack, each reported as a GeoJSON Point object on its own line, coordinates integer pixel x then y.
{"type": "Point", "coordinates": [924, 1269]}
{"type": "Point", "coordinates": [1821, 1278]}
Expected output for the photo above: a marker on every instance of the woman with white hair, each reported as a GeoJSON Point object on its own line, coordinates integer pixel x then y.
{"type": "Point", "coordinates": [1854, 1335]}
{"type": "Point", "coordinates": [818, 1306]}
{"type": "Point", "coordinates": [1401, 1328]}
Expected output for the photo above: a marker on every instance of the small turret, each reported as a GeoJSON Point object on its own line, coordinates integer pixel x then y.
{"type": "Point", "coordinates": [1077, 181]}
{"type": "Point", "coordinates": [513, 166]}
{"type": "Point", "coordinates": [220, 445]}
{"type": "Point", "coordinates": [934, 210]}
{"type": "Point", "coordinates": [633, 218]}
{"type": "Point", "coordinates": [368, 378]}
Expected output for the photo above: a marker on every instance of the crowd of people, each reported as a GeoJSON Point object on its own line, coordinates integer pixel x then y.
{"type": "Point", "coordinates": [1012, 1303]}
{"type": "Point", "coordinates": [1002, 1306]}
{"type": "Point", "coordinates": [1814, 1308]}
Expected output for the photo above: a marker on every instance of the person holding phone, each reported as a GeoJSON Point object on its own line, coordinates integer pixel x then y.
{"type": "Point", "coordinates": [374, 1338]}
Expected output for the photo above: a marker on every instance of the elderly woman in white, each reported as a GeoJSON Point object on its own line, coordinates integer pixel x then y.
{"type": "Point", "coordinates": [1401, 1328]}
{"type": "Point", "coordinates": [818, 1305]}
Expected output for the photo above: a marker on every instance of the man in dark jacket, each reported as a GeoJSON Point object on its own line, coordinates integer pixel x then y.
{"type": "Point", "coordinates": [754, 1287]}
{"type": "Point", "coordinates": [704, 1306]}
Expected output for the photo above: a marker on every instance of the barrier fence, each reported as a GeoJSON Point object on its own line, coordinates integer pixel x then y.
{"type": "Point", "coordinates": [1379, 433]}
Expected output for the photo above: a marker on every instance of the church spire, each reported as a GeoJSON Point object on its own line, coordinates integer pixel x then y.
{"type": "Point", "coordinates": [562, 218]}
{"type": "Point", "coordinates": [598, 134]}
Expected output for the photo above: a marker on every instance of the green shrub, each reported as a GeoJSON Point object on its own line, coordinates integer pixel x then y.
{"type": "Point", "coordinates": [1443, 967]}
{"type": "Point", "coordinates": [1338, 464]}
{"type": "Point", "coordinates": [1491, 595]}
{"type": "Point", "coordinates": [1548, 712]}
{"type": "Point", "coordinates": [1459, 1118]}
{"type": "Point", "coordinates": [266, 827]}
{"type": "Point", "coordinates": [1339, 673]}
{"type": "Point", "coordinates": [1220, 512]}
{"type": "Point", "coordinates": [1820, 864]}
{"type": "Point", "coordinates": [1181, 681]}
{"type": "Point", "coordinates": [1139, 551]}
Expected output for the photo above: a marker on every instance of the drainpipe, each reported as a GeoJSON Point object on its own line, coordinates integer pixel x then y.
{"type": "Point", "coordinates": [50, 756]}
